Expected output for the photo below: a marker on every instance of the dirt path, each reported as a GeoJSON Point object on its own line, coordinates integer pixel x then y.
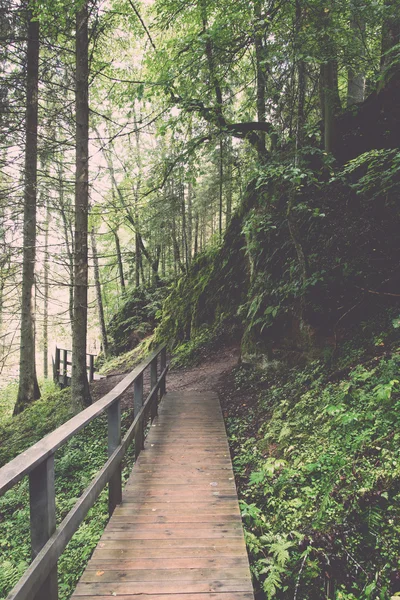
{"type": "Point", "coordinates": [203, 377]}
{"type": "Point", "coordinates": [206, 376]}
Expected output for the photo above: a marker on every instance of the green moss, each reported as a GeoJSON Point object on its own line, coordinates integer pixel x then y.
{"type": "Point", "coordinates": [136, 319]}
{"type": "Point", "coordinates": [128, 360]}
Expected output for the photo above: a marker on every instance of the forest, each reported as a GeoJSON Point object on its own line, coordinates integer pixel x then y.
{"type": "Point", "coordinates": [220, 177]}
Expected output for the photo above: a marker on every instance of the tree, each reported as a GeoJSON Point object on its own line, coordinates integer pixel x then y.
{"type": "Point", "coordinates": [28, 390]}
{"type": "Point", "coordinates": [356, 76]}
{"type": "Point", "coordinates": [79, 382]}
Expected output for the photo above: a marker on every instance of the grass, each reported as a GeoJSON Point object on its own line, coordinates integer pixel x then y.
{"type": "Point", "coordinates": [8, 396]}
{"type": "Point", "coordinates": [127, 361]}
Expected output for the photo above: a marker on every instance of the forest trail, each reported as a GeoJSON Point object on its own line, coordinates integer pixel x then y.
{"type": "Point", "coordinates": [178, 532]}
{"type": "Point", "coordinates": [204, 376]}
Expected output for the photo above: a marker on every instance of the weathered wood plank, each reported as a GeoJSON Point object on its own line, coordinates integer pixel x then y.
{"type": "Point", "coordinates": [177, 534]}
{"type": "Point", "coordinates": [168, 545]}
{"type": "Point", "coordinates": [151, 564]}
{"type": "Point", "coordinates": [162, 575]}
{"type": "Point", "coordinates": [163, 587]}
{"type": "Point", "coordinates": [195, 596]}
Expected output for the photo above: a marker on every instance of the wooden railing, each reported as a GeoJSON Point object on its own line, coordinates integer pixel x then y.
{"type": "Point", "coordinates": [48, 543]}
{"type": "Point", "coordinates": [61, 367]}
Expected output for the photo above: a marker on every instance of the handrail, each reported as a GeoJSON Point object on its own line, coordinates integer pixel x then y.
{"type": "Point", "coordinates": [40, 579]}
{"type": "Point", "coordinates": [60, 375]}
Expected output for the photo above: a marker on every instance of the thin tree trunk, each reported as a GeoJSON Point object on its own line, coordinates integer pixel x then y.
{"type": "Point", "coordinates": [260, 72]}
{"type": "Point", "coordinates": [228, 180]}
{"type": "Point", "coordinates": [119, 260]}
{"type": "Point", "coordinates": [46, 297]}
{"type": "Point", "coordinates": [190, 223]}
{"type": "Point", "coordinates": [390, 32]}
{"type": "Point", "coordinates": [356, 78]}
{"type": "Point", "coordinates": [99, 298]}
{"type": "Point", "coordinates": [138, 260]}
{"type": "Point", "coordinates": [69, 242]}
{"type": "Point", "coordinates": [302, 82]}
{"type": "Point", "coordinates": [221, 186]}
{"type": "Point", "coordinates": [177, 254]}
{"type": "Point", "coordinates": [185, 250]}
{"type": "Point", "coordinates": [79, 383]}
{"type": "Point", "coordinates": [28, 390]}
{"type": "Point", "coordinates": [196, 234]}
{"type": "Point", "coordinates": [330, 98]}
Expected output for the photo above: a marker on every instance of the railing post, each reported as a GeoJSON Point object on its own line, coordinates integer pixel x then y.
{"type": "Point", "coordinates": [65, 368]}
{"type": "Point", "coordinates": [137, 405]}
{"type": "Point", "coordinates": [163, 384]}
{"type": "Point", "coordinates": [43, 519]}
{"type": "Point", "coordinates": [91, 368]}
{"type": "Point", "coordinates": [114, 440]}
{"type": "Point", "coordinates": [153, 383]}
{"type": "Point", "coordinates": [57, 366]}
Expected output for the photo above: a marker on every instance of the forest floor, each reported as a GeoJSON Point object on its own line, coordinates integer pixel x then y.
{"type": "Point", "coordinates": [209, 374]}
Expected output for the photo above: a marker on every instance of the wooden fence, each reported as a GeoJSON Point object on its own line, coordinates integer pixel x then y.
{"type": "Point", "coordinates": [62, 367]}
{"type": "Point", "coordinates": [48, 543]}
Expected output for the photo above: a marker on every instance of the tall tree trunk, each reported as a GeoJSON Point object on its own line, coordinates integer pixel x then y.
{"type": "Point", "coordinates": [196, 234]}
{"type": "Point", "coordinates": [177, 254]}
{"type": "Point", "coordinates": [260, 71]}
{"type": "Point", "coordinates": [99, 298]}
{"type": "Point", "coordinates": [221, 186]}
{"type": "Point", "coordinates": [79, 382]}
{"type": "Point", "coordinates": [46, 296]}
{"type": "Point", "coordinates": [185, 250]}
{"type": "Point", "coordinates": [138, 251]}
{"type": "Point", "coordinates": [119, 261]}
{"type": "Point", "coordinates": [356, 77]}
{"type": "Point", "coordinates": [28, 390]}
{"type": "Point", "coordinates": [390, 32]}
{"type": "Point", "coordinates": [70, 254]}
{"type": "Point", "coordinates": [229, 182]}
{"type": "Point", "coordinates": [330, 99]}
{"type": "Point", "coordinates": [138, 260]}
{"type": "Point", "coordinates": [190, 223]}
{"type": "Point", "coordinates": [302, 80]}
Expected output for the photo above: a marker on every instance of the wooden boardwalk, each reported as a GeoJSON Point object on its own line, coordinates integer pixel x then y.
{"type": "Point", "coordinates": [177, 534]}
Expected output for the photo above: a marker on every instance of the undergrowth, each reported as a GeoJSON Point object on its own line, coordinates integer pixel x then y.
{"type": "Point", "coordinates": [8, 396]}
{"type": "Point", "coordinates": [317, 459]}
{"type": "Point", "coordinates": [127, 360]}
{"type": "Point", "coordinates": [76, 463]}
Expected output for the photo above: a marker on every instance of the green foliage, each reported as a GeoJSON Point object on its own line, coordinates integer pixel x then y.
{"type": "Point", "coordinates": [77, 462]}
{"type": "Point", "coordinates": [377, 173]}
{"type": "Point", "coordinates": [20, 432]}
{"type": "Point", "coordinates": [127, 361]}
{"type": "Point", "coordinates": [298, 257]}
{"type": "Point", "coordinates": [319, 470]}
{"type": "Point", "coordinates": [136, 319]}
{"type": "Point", "coordinates": [194, 350]}
{"type": "Point", "coordinates": [209, 294]}
{"type": "Point", "coordinates": [8, 396]}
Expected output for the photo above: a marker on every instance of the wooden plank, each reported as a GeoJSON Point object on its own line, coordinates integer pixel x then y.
{"type": "Point", "coordinates": [195, 596]}
{"type": "Point", "coordinates": [155, 555]}
{"type": "Point", "coordinates": [163, 575]}
{"type": "Point", "coordinates": [117, 563]}
{"type": "Point", "coordinates": [164, 518]}
{"type": "Point", "coordinates": [178, 532]}
{"type": "Point", "coordinates": [168, 544]}
{"type": "Point", "coordinates": [163, 587]}
{"type": "Point", "coordinates": [170, 534]}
